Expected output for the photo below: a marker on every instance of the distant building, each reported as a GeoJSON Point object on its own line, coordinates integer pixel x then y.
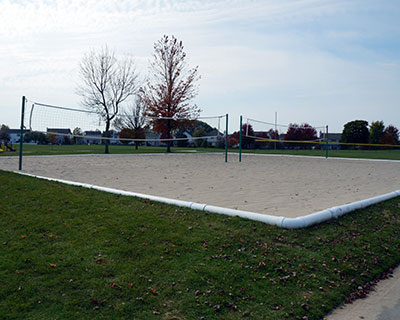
{"type": "Point", "coordinates": [61, 135]}
{"type": "Point", "coordinates": [154, 136]}
{"type": "Point", "coordinates": [92, 137]}
{"type": "Point", "coordinates": [212, 137]}
{"type": "Point", "coordinates": [15, 135]}
{"type": "Point", "coordinates": [332, 138]}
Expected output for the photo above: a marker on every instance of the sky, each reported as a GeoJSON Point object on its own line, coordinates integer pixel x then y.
{"type": "Point", "coordinates": [323, 62]}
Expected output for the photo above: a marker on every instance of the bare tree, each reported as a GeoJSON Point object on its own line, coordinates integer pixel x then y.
{"type": "Point", "coordinates": [133, 119]}
{"type": "Point", "coordinates": [170, 89]}
{"type": "Point", "coordinates": [106, 84]}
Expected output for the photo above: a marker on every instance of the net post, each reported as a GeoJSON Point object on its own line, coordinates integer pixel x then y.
{"type": "Point", "coordinates": [326, 145]}
{"type": "Point", "coordinates": [21, 135]}
{"type": "Point", "coordinates": [240, 139]}
{"type": "Point", "coordinates": [226, 138]}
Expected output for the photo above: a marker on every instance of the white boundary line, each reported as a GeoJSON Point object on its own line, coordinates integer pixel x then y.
{"type": "Point", "coordinates": [282, 222]}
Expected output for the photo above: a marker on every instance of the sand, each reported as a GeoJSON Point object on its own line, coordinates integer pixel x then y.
{"type": "Point", "coordinates": [274, 185]}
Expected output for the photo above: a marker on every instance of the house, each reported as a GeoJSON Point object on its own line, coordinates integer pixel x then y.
{"type": "Point", "coordinates": [152, 136]}
{"type": "Point", "coordinates": [183, 139]}
{"type": "Point", "coordinates": [92, 137]}
{"type": "Point", "coordinates": [114, 137]}
{"type": "Point", "coordinates": [212, 137]}
{"type": "Point", "coordinates": [15, 135]}
{"type": "Point", "coordinates": [59, 135]}
{"type": "Point", "coordinates": [332, 138]}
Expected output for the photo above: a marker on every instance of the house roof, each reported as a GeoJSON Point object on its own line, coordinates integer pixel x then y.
{"type": "Point", "coordinates": [213, 133]}
{"type": "Point", "coordinates": [59, 130]}
{"type": "Point", "coordinates": [334, 136]}
{"type": "Point", "coordinates": [152, 135]}
{"type": "Point", "coordinates": [15, 131]}
{"type": "Point", "coordinates": [92, 133]}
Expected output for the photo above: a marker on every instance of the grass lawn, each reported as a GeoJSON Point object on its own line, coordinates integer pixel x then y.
{"type": "Point", "coordinates": [69, 252]}
{"type": "Point", "coordinates": [121, 149]}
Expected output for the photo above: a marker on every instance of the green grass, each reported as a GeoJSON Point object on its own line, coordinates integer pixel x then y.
{"type": "Point", "coordinates": [37, 150]}
{"type": "Point", "coordinates": [121, 149]}
{"type": "Point", "coordinates": [362, 154]}
{"type": "Point", "coordinates": [74, 253]}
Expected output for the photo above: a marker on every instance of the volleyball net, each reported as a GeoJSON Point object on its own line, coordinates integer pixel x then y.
{"type": "Point", "coordinates": [259, 134]}
{"type": "Point", "coordinates": [54, 124]}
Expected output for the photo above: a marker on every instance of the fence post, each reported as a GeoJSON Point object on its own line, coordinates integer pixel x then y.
{"type": "Point", "coordinates": [240, 139]}
{"type": "Point", "coordinates": [327, 144]}
{"type": "Point", "coordinates": [226, 138]}
{"type": "Point", "coordinates": [21, 135]}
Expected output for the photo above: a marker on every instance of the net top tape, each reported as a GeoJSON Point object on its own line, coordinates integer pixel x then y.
{"type": "Point", "coordinates": [279, 125]}
{"type": "Point", "coordinates": [102, 114]}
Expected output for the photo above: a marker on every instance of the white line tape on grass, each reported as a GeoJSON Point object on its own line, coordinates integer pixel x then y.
{"type": "Point", "coordinates": [282, 222]}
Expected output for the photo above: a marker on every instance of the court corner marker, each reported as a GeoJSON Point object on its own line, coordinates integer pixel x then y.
{"type": "Point", "coordinates": [282, 222]}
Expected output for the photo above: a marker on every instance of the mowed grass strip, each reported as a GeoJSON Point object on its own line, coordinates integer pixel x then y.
{"type": "Point", "coordinates": [69, 252]}
{"type": "Point", "coordinates": [35, 150]}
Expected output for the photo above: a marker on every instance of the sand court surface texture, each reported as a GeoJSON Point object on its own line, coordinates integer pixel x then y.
{"type": "Point", "coordinates": [275, 185]}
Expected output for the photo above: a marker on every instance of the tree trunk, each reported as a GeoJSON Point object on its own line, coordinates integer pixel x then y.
{"type": "Point", "coordinates": [106, 135]}
{"type": "Point", "coordinates": [136, 145]}
{"type": "Point", "coordinates": [169, 131]}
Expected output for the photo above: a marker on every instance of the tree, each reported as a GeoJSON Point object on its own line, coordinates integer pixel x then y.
{"type": "Point", "coordinates": [199, 132]}
{"type": "Point", "coordinates": [106, 84]}
{"type": "Point", "coordinates": [126, 133]}
{"type": "Point", "coordinates": [355, 132]}
{"type": "Point", "coordinates": [233, 142]}
{"type": "Point", "coordinates": [134, 120]}
{"type": "Point", "coordinates": [196, 124]}
{"type": "Point", "coordinates": [35, 136]}
{"type": "Point", "coordinates": [4, 135]}
{"type": "Point", "coordinates": [77, 132]}
{"type": "Point", "coordinates": [390, 136]}
{"type": "Point", "coordinates": [171, 88]}
{"type": "Point", "coordinates": [304, 132]}
{"type": "Point", "coordinates": [376, 132]}
{"type": "Point", "coordinates": [247, 136]}
{"type": "Point", "coordinates": [274, 135]}
{"type": "Point", "coordinates": [261, 144]}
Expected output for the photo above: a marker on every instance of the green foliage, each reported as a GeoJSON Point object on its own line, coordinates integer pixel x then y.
{"type": "Point", "coordinates": [376, 132]}
{"type": "Point", "coordinates": [35, 136]}
{"type": "Point", "coordinates": [31, 150]}
{"type": "Point", "coordinates": [355, 132]}
{"type": "Point", "coordinates": [69, 252]}
{"type": "Point", "coordinates": [197, 125]}
{"type": "Point", "coordinates": [4, 132]}
{"type": "Point", "coordinates": [199, 132]}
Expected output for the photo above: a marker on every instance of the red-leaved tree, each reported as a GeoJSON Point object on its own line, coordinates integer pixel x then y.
{"type": "Point", "coordinates": [126, 133]}
{"type": "Point", "coordinates": [247, 136]}
{"type": "Point", "coordinates": [303, 132]}
{"type": "Point", "coordinates": [170, 89]}
{"type": "Point", "coordinates": [390, 135]}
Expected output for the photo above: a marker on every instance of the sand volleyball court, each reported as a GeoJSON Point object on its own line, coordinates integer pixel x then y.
{"type": "Point", "coordinates": [275, 185]}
